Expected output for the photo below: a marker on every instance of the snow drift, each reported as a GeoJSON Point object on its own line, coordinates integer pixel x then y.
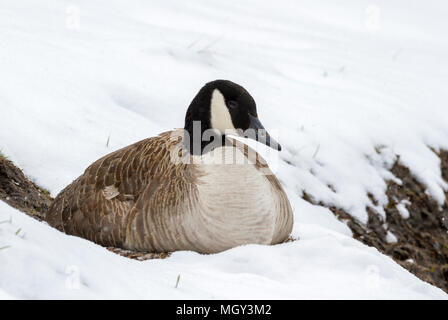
{"type": "Point", "coordinates": [337, 82]}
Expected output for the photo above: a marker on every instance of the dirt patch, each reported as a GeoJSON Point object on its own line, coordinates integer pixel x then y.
{"type": "Point", "coordinates": [21, 193]}
{"type": "Point", "coordinates": [422, 238]}
{"type": "Point", "coordinates": [137, 255]}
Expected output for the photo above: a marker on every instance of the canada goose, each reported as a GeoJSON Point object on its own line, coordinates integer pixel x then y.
{"type": "Point", "coordinates": [142, 198]}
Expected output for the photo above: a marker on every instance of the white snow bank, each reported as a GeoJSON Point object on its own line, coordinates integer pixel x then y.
{"type": "Point", "coordinates": [348, 87]}
{"type": "Point", "coordinates": [44, 263]}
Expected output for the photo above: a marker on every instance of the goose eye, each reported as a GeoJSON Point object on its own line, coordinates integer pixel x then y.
{"type": "Point", "coordinates": [232, 104]}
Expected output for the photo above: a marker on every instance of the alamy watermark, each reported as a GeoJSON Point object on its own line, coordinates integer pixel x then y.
{"type": "Point", "coordinates": [373, 16]}
{"type": "Point", "coordinates": [73, 17]}
{"type": "Point", "coordinates": [73, 279]}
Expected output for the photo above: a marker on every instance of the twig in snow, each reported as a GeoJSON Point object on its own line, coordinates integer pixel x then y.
{"type": "Point", "coordinates": [316, 152]}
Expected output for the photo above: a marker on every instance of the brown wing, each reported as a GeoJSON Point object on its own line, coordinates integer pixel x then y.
{"type": "Point", "coordinates": [97, 206]}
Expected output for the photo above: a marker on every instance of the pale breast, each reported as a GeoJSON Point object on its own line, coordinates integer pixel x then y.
{"type": "Point", "coordinates": [236, 203]}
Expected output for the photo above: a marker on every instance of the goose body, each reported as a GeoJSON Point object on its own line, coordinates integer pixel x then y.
{"type": "Point", "coordinates": [142, 198]}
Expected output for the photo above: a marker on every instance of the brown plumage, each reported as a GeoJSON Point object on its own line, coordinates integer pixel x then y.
{"type": "Point", "coordinates": [101, 204]}
{"type": "Point", "coordinates": [139, 198]}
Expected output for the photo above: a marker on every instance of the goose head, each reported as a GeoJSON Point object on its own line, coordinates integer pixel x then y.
{"type": "Point", "coordinates": [223, 107]}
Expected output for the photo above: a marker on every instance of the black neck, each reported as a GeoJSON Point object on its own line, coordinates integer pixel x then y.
{"type": "Point", "coordinates": [199, 112]}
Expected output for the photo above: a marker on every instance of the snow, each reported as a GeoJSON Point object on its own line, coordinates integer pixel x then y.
{"type": "Point", "coordinates": [4, 295]}
{"type": "Point", "coordinates": [390, 237]}
{"type": "Point", "coordinates": [401, 207]}
{"type": "Point", "coordinates": [44, 263]}
{"type": "Point", "coordinates": [348, 88]}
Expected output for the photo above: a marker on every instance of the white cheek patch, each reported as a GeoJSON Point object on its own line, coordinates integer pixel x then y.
{"type": "Point", "coordinates": [220, 116]}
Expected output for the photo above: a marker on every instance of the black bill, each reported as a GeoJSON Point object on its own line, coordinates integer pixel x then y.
{"type": "Point", "coordinates": [257, 132]}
